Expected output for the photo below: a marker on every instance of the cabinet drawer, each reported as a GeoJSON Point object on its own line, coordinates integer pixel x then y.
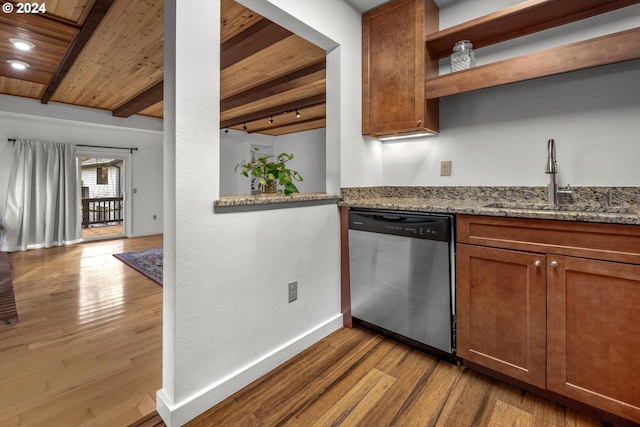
{"type": "Point", "coordinates": [611, 242]}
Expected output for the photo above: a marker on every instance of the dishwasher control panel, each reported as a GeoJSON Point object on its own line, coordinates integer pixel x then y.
{"type": "Point", "coordinates": [421, 226]}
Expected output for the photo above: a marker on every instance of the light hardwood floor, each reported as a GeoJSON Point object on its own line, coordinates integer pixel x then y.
{"type": "Point", "coordinates": [87, 349]}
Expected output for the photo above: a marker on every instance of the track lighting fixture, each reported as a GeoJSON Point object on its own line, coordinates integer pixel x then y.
{"type": "Point", "coordinates": [255, 120]}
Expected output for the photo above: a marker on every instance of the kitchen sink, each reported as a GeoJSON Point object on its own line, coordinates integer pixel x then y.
{"type": "Point", "coordinates": [560, 208]}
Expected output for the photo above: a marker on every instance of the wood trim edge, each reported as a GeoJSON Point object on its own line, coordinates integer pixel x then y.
{"type": "Point", "coordinates": [345, 283]}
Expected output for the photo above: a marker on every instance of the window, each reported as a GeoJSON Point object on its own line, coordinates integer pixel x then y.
{"type": "Point", "coordinates": [103, 175]}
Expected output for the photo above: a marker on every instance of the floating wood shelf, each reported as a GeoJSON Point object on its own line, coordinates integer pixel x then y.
{"type": "Point", "coordinates": [525, 18]}
{"type": "Point", "coordinates": [609, 49]}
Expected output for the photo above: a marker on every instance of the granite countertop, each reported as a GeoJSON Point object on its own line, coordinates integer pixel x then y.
{"type": "Point", "coordinates": [585, 203]}
{"type": "Point", "coordinates": [271, 199]}
{"type": "Point", "coordinates": [519, 202]}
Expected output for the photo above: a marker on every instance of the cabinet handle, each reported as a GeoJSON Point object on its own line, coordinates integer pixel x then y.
{"type": "Point", "coordinates": [418, 122]}
{"type": "Point", "coordinates": [537, 263]}
{"type": "Point", "coordinates": [554, 264]}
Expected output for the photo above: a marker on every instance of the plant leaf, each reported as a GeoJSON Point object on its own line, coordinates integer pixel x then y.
{"type": "Point", "coordinates": [272, 167]}
{"type": "Point", "coordinates": [290, 188]}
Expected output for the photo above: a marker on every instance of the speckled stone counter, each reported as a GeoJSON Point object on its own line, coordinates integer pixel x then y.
{"type": "Point", "coordinates": [262, 200]}
{"type": "Point", "coordinates": [586, 204]}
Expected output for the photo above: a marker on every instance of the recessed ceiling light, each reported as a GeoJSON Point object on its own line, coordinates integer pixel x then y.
{"type": "Point", "coordinates": [22, 44]}
{"type": "Point", "coordinates": [18, 65]}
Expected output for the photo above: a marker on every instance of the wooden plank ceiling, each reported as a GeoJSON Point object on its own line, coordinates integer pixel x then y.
{"type": "Point", "coordinates": [108, 54]}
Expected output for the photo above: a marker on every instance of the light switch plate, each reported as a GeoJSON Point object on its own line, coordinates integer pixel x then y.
{"type": "Point", "coordinates": [445, 168]}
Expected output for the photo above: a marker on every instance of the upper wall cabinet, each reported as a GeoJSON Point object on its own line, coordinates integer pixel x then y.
{"type": "Point", "coordinates": [394, 66]}
{"type": "Point", "coordinates": [526, 18]}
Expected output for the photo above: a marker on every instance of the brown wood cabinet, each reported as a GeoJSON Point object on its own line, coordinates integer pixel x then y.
{"type": "Point", "coordinates": [594, 333]}
{"type": "Point", "coordinates": [554, 304]}
{"type": "Point", "coordinates": [501, 321]}
{"type": "Point", "coordinates": [395, 63]}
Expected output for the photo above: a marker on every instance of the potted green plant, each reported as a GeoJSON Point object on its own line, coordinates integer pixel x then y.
{"type": "Point", "coordinates": [272, 171]}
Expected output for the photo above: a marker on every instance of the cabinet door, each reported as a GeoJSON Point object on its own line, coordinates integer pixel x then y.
{"type": "Point", "coordinates": [594, 333]}
{"type": "Point", "coordinates": [394, 61]}
{"type": "Point", "coordinates": [501, 311]}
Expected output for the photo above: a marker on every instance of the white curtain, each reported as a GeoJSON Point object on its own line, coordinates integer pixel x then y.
{"type": "Point", "coordinates": [42, 208]}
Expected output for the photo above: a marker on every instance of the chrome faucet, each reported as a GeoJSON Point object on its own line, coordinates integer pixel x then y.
{"type": "Point", "coordinates": [552, 170]}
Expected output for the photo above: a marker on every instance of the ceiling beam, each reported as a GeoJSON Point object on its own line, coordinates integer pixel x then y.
{"type": "Point", "coordinates": [276, 86]}
{"type": "Point", "coordinates": [98, 12]}
{"type": "Point", "coordinates": [257, 37]}
{"type": "Point", "coordinates": [149, 97]}
{"type": "Point", "coordinates": [278, 109]}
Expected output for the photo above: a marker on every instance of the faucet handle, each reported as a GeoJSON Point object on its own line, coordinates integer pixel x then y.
{"type": "Point", "coordinates": [565, 192]}
{"type": "Point", "coordinates": [567, 189]}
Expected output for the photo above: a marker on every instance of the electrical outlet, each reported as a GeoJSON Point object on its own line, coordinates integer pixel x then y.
{"type": "Point", "coordinates": [293, 291]}
{"type": "Point", "coordinates": [445, 168]}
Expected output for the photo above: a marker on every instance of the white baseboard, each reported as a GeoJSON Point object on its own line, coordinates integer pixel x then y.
{"type": "Point", "coordinates": [146, 233]}
{"type": "Point", "coordinates": [178, 414]}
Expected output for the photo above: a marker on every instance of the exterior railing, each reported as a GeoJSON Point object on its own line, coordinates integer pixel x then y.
{"type": "Point", "coordinates": [101, 210]}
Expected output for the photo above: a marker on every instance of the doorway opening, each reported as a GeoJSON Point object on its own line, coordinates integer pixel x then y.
{"type": "Point", "coordinates": [102, 197]}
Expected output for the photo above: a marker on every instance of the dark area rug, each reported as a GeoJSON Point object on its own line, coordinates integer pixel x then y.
{"type": "Point", "coordinates": [147, 262]}
{"type": "Point", "coordinates": [8, 311]}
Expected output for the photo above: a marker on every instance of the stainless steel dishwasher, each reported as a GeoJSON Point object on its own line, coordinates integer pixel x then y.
{"type": "Point", "coordinates": [402, 274]}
